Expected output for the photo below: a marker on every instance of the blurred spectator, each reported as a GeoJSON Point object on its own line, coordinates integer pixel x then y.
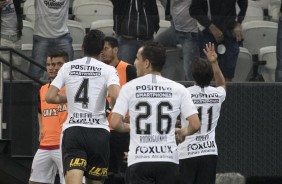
{"type": "Point", "coordinates": [278, 72]}
{"type": "Point", "coordinates": [184, 31]}
{"type": "Point", "coordinates": [134, 23]}
{"type": "Point", "coordinates": [50, 32]}
{"type": "Point", "coordinates": [222, 26]}
{"type": "Point", "coordinates": [11, 31]}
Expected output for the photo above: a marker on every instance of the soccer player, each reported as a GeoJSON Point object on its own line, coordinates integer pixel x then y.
{"type": "Point", "coordinates": [119, 142]}
{"type": "Point", "coordinates": [154, 103]}
{"type": "Point", "coordinates": [85, 142]}
{"type": "Point", "coordinates": [198, 153]}
{"type": "Point", "coordinates": [51, 117]}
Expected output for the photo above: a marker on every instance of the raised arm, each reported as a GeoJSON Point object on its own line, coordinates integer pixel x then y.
{"type": "Point", "coordinates": [212, 58]}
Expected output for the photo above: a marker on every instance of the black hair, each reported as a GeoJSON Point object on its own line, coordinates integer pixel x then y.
{"type": "Point", "coordinates": [112, 41]}
{"type": "Point", "coordinates": [202, 72]}
{"type": "Point", "coordinates": [93, 42]}
{"type": "Point", "coordinates": [58, 53]}
{"type": "Point", "coordinates": [155, 52]}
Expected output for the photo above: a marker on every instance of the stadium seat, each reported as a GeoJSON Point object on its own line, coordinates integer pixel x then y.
{"type": "Point", "coordinates": [258, 34]}
{"type": "Point", "coordinates": [164, 24]}
{"type": "Point", "coordinates": [88, 11]}
{"type": "Point", "coordinates": [27, 37]}
{"type": "Point", "coordinates": [274, 9]}
{"type": "Point", "coordinates": [29, 11]}
{"type": "Point", "coordinates": [244, 66]}
{"type": "Point", "coordinates": [254, 11]}
{"type": "Point", "coordinates": [106, 26]}
{"type": "Point", "coordinates": [264, 3]}
{"type": "Point", "coordinates": [161, 10]}
{"type": "Point", "coordinates": [268, 54]}
{"type": "Point", "coordinates": [77, 33]}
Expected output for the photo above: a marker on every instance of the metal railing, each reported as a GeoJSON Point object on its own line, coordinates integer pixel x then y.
{"type": "Point", "coordinates": [11, 69]}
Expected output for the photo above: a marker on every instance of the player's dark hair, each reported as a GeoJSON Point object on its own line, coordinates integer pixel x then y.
{"type": "Point", "coordinates": [155, 53]}
{"type": "Point", "coordinates": [112, 41]}
{"type": "Point", "coordinates": [93, 42]}
{"type": "Point", "coordinates": [58, 53]}
{"type": "Point", "coordinates": [202, 72]}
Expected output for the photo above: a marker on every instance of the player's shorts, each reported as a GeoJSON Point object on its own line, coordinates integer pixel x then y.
{"type": "Point", "coordinates": [152, 173]}
{"type": "Point", "coordinates": [45, 165]}
{"type": "Point", "coordinates": [201, 169]}
{"type": "Point", "coordinates": [86, 149]}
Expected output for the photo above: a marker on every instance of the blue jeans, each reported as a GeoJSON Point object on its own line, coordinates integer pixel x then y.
{"type": "Point", "coordinates": [227, 61]}
{"type": "Point", "coordinates": [189, 42]}
{"type": "Point", "coordinates": [128, 49]}
{"type": "Point", "coordinates": [41, 47]}
{"type": "Point", "coordinates": [278, 71]}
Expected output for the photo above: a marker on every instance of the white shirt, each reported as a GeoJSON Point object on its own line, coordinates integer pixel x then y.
{"type": "Point", "coordinates": [154, 103]}
{"type": "Point", "coordinates": [86, 81]}
{"type": "Point", "coordinates": [51, 18]}
{"type": "Point", "coordinates": [208, 101]}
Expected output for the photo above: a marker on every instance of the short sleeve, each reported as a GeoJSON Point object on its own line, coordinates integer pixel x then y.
{"type": "Point", "coordinates": [113, 77]}
{"type": "Point", "coordinates": [188, 108]}
{"type": "Point", "coordinates": [122, 102]}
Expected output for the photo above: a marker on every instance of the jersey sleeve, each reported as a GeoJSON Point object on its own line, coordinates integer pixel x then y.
{"type": "Point", "coordinates": [122, 102]}
{"type": "Point", "coordinates": [222, 93]}
{"type": "Point", "coordinates": [188, 108]}
{"type": "Point", "coordinates": [113, 77]}
{"type": "Point", "coordinates": [59, 80]}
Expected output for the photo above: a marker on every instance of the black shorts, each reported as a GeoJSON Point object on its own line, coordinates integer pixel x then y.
{"type": "Point", "coordinates": [119, 143]}
{"type": "Point", "coordinates": [198, 170]}
{"type": "Point", "coordinates": [86, 149]}
{"type": "Point", "coordinates": [152, 173]}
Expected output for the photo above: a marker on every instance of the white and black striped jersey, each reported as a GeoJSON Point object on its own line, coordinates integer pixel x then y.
{"type": "Point", "coordinates": [208, 101]}
{"type": "Point", "coordinates": [87, 81]}
{"type": "Point", "coordinates": [154, 103]}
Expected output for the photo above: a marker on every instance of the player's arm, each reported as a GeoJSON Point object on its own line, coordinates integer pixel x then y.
{"type": "Point", "coordinates": [193, 127]}
{"type": "Point", "coordinates": [113, 91]}
{"type": "Point", "coordinates": [53, 96]}
{"type": "Point", "coordinates": [212, 58]}
{"type": "Point", "coordinates": [117, 123]}
{"type": "Point", "coordinates": [39, 126]}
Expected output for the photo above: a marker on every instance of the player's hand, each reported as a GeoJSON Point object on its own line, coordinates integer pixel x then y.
{"type": "Point", "coordinates": [217, 33]}
{"type": "Point", "coordinates": [125, 157]}
{"type": "Point", "coordinates": [178, 124]}
{"type": "Point", "coordinates": [237, 32]}
{"type": "Point", "coordinates": [210, 52]}
{"type": "Point", "coordinates": [178, 135]}
{"type": "Point", "coordinates": [126, 119]}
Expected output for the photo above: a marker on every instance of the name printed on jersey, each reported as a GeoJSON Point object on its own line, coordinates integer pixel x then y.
{"type": "Point", "coordinates": [84, 118]}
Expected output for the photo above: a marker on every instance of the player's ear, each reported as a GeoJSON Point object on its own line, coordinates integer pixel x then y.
{"type": "Point", "coordinates": [147, 63]}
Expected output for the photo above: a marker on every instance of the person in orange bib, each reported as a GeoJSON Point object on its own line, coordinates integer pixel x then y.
{"type": "Point", "coordinates": [119, 142]}
{"type": "Point", "coordinates": [47, 160]}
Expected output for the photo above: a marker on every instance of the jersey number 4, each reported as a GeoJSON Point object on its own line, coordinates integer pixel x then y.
{"type": "Point", "coordinates": [161, 117]}
{"type": "Point", "coordinates": [81, 95]}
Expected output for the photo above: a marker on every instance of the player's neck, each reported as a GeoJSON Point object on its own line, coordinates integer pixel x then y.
{"type": "Point", "coordinates": [153, 73]}
{"type": "Point", "coordinates": [115, 62]}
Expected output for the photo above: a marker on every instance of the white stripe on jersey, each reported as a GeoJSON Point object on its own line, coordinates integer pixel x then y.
{"type": "Point", "coordinates": [86, 80]}
{"type": "Point", "coordinates": [153, 103]}
{"type": "Point", "coordinates": [208, 101]}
